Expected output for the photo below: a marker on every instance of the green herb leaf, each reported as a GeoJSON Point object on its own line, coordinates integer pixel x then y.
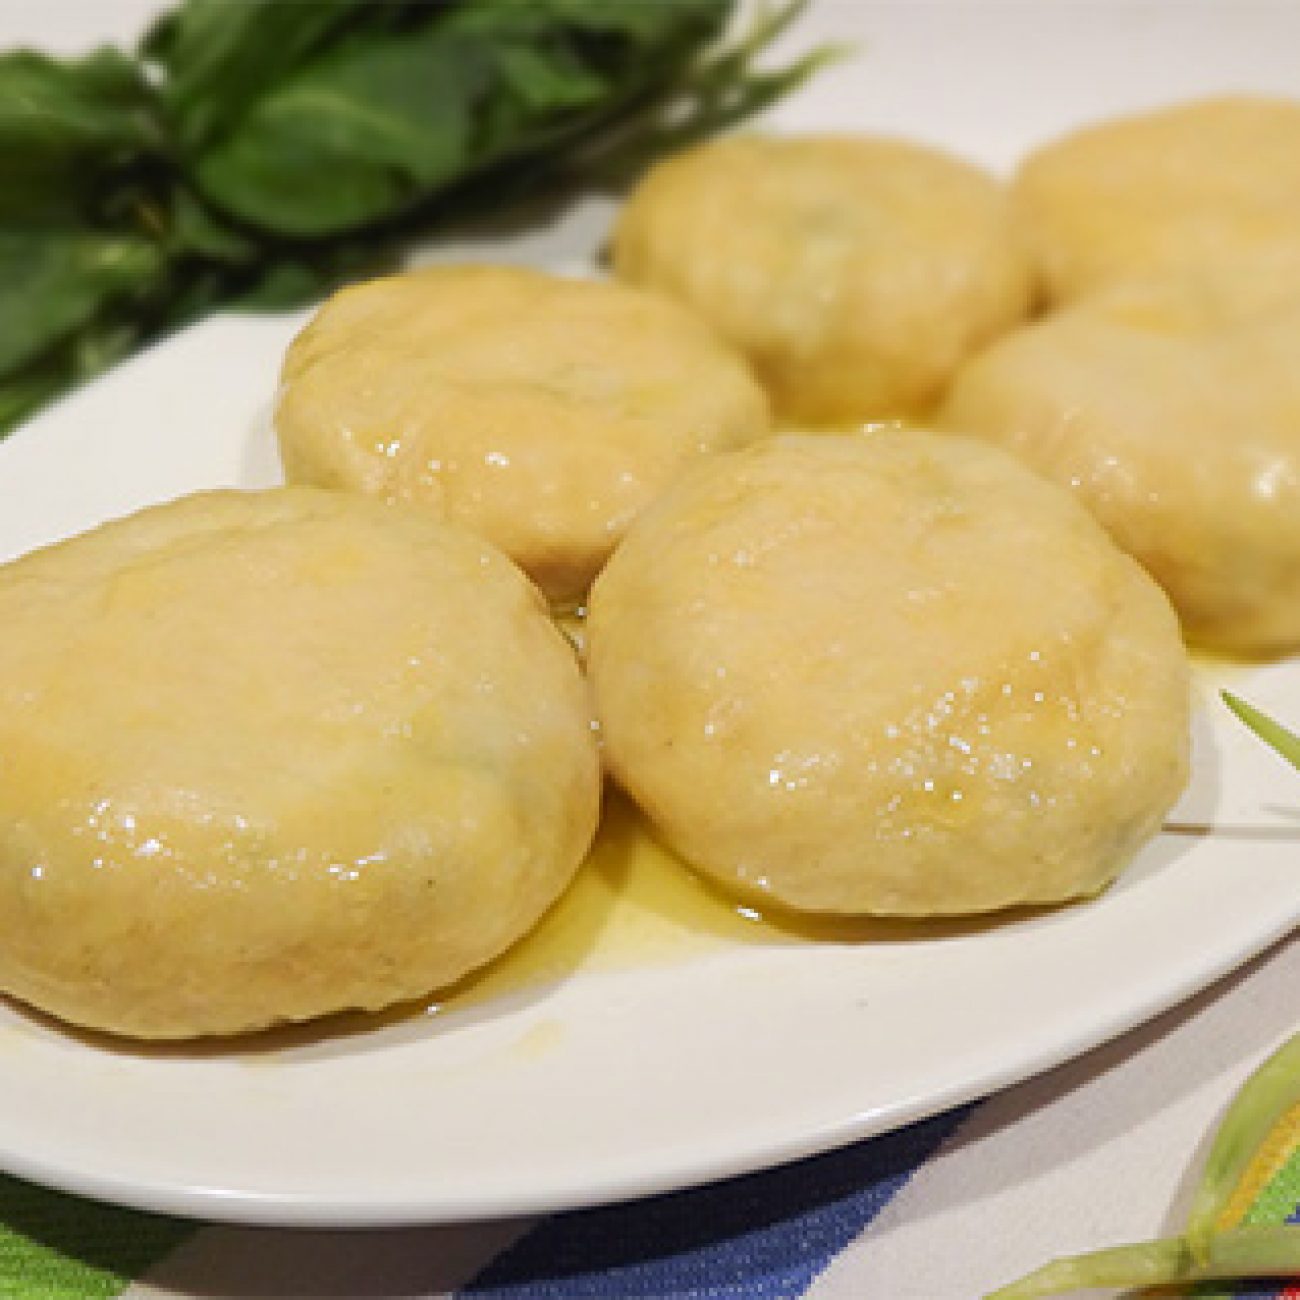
{"type": "Point", "coordinates": [68, 130]}
{"type": "Point", "coordinates": [384, 120]}
{"type": "Point", "coordinates": [218, 57]}
{"type": "Point", "coordinates": [1271, 732]}
{"type": "Point", "coordinates": [262, 151]}
{"type": "Point", "coordinates": [359, 136]}
{"type": "Point", "coordinates": [59, 282]}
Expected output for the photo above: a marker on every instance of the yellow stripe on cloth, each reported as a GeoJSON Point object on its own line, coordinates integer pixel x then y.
{"type": "Point", "coordinates": [1269, 1190]}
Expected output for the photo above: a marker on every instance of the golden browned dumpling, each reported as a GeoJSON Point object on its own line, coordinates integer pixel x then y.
{"type": "Point", "coordinates": [855, 273]}
{"type": "Point", "coordinates": [269, 755]}
{"type": "Point", "coordinates": [541, 412]}
{"type": "Point", "coordinates": [1172, 190]}
{"type": "Point", "coordinates": [1171, 407]}
{"type": "Point", "coordinates": [893, 674]}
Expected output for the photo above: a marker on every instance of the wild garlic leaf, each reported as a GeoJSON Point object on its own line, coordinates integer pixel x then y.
{"type": "Point", "coordinates": [67, 128]}
{"type": "Point", "coordinates": [217, 57]}
{"type": "Point", "coordinates": [57, 282]}
{"type": "Point", "coordinates": [73, 108]}
{"type": "Point", "coordinates": [358, 137]}
{"type": "Point", "coordinates": [1270, 731]}
{"type": "Point", "coordinates": [384, 120]}
{"type": "Point", "coordinates": [259, 152]}
{"type": "Point", "coordinates": [194, 229]}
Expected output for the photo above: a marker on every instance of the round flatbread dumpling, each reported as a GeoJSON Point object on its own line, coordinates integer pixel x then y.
{"type": "Point", "coordinates": [541, 412]}
{"type": "Point", "coordinates": [1172, 190]}
{"type": "Point", "coordinates": [1171, 408]}
{"type": "Point", "coordinates": [265, 756]}
{"type": "Point", "coordinates": [855, 273]}
{"type": "Point", "coordinates": [895, 674]}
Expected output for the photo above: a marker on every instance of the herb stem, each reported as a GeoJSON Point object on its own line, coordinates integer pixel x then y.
{"type": "Point", "coordinates": [1257, 1251]}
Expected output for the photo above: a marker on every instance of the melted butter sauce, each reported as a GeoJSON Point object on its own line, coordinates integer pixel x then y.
{"type": "Point", "coordinates": [632, 905]}
{"type": "Point", "coordinates": [635, 904]}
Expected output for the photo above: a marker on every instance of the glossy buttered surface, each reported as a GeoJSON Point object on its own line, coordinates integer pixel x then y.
{"type": "Point", "coordinates": [1171, 408]}
{"type": "Point", "coordinates": [1172, 190]}
{"type": "Point", "coordinates": [856, 273]}
{"type": "Point", "coordinates": [271, 755]}
{"type": "Point", "coordinates": [707, 1063]}
{"type": "Point", "coordinates": [893, 674]}
{"type": "Point", "coordinates": [542, 412]}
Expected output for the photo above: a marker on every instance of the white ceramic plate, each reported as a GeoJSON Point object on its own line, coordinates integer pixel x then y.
{"type": "Point", "coordinates": [615, 1083]}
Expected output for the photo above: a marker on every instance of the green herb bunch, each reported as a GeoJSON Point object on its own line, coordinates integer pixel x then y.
{"type": "Point", "coordinates": [254, 153]}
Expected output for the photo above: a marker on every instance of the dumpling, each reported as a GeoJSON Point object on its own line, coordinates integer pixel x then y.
{"type": "Point", "coordinates": [893, 674]}
{"type": "Point", "coordinates": [1171, 408]}
{"type": "Point", "coordinates": [1173, 190]}
{"type": "Point", "coordinates": [855, 273]}
{"type": "Point", "coordinates": [265, 756]}
{"type": "Point", "coordinates": [541, 412]}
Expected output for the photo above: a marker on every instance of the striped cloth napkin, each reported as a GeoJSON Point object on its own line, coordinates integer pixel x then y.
{"type": "Point", "coordinates": [1098, 1152]}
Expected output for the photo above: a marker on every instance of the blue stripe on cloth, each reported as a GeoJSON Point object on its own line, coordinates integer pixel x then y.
{"type": "Point", "coordinates": [762, 1237]}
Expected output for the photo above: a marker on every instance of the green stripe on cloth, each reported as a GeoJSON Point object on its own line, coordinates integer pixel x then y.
{"type": "Point", "coordinates": [1279, 1199]}
{"type": "Point", "coordinates": [56, 1247]}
